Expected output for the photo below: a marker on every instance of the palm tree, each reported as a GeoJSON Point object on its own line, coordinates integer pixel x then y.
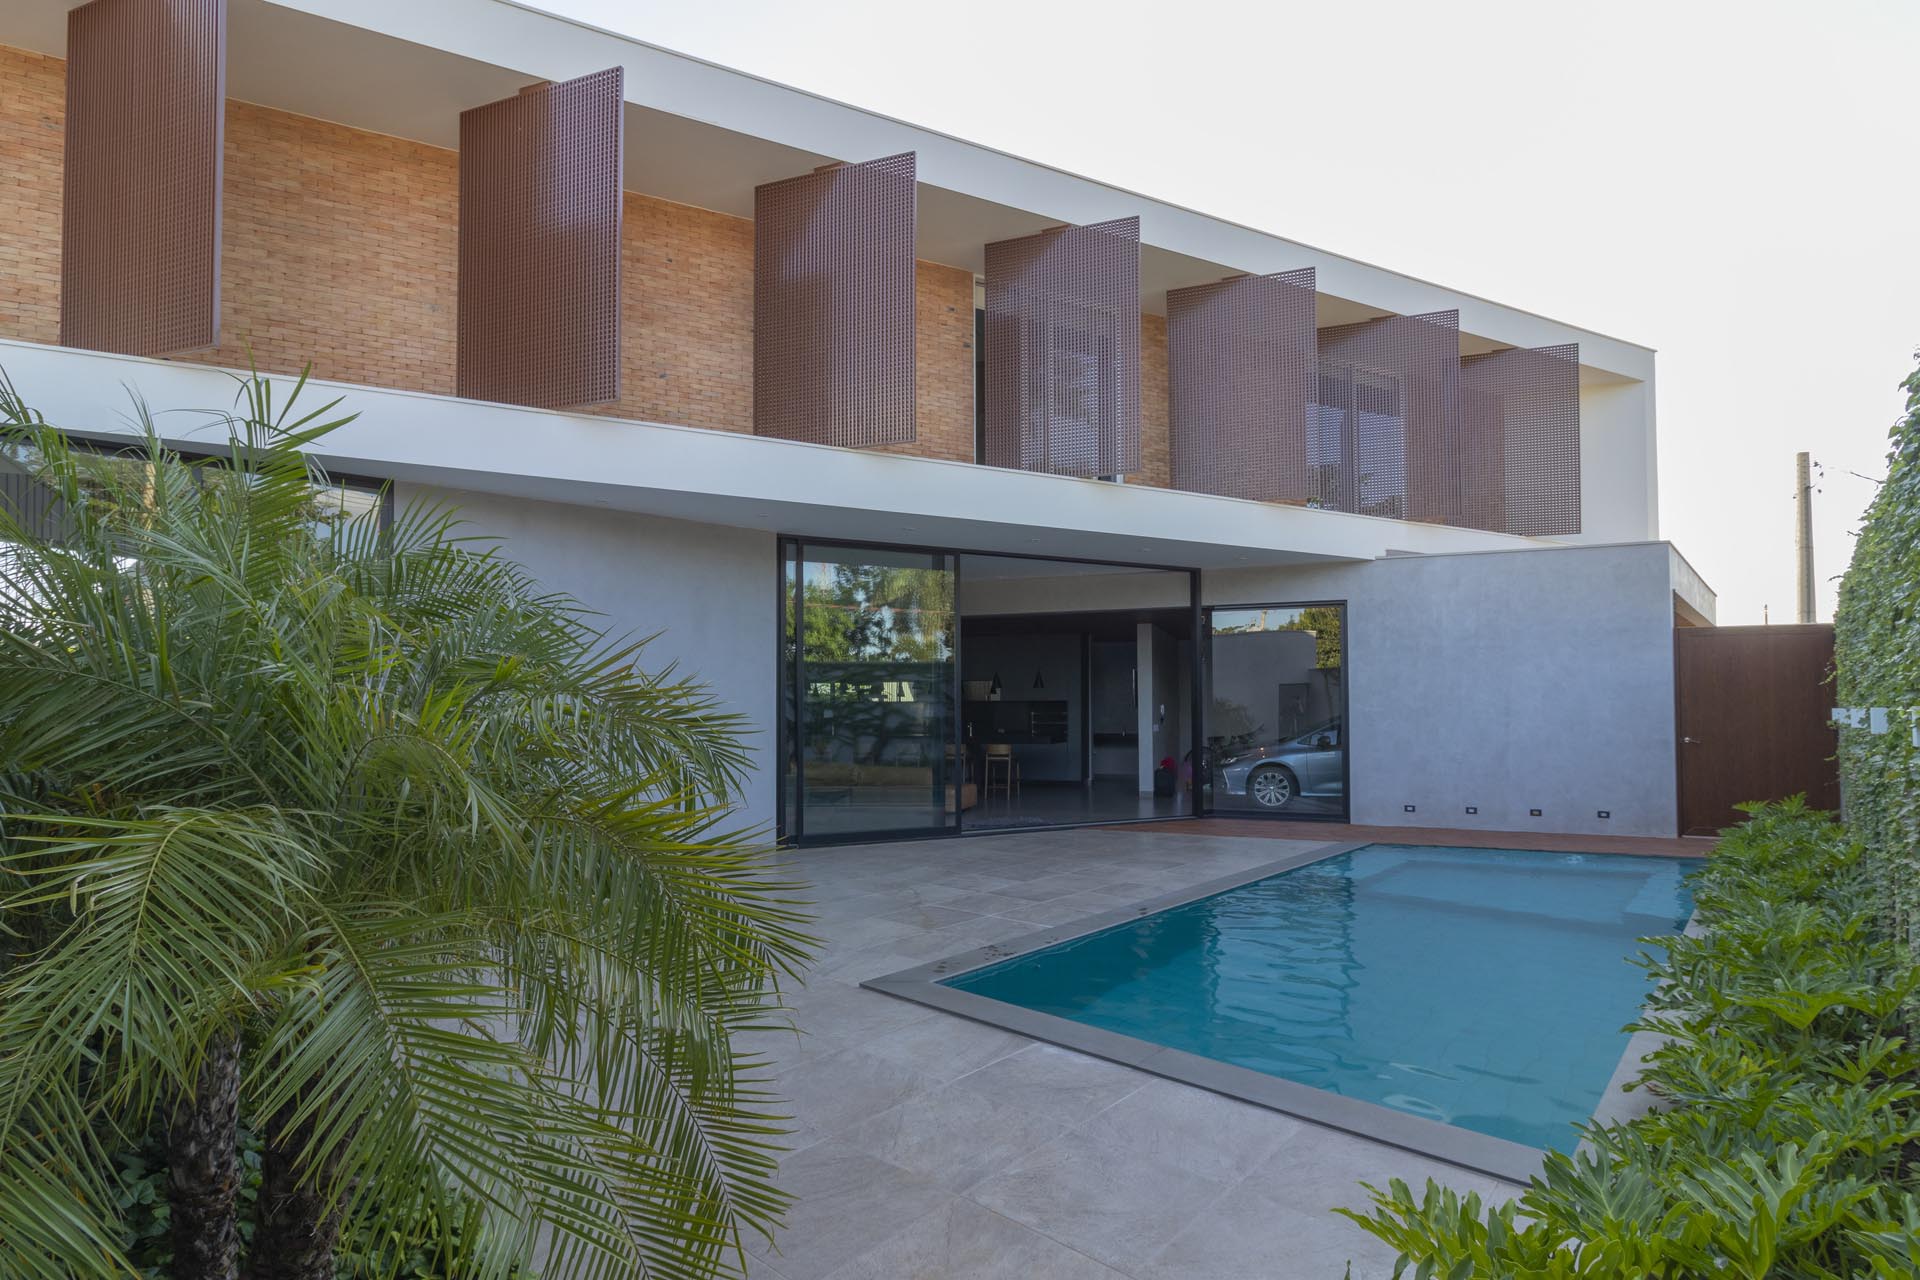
{"type": "Point", "coordinates": [345, 826]}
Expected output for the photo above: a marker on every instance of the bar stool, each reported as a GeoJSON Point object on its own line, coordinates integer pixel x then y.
{"type": "Point", "coordinates": [999, 756]}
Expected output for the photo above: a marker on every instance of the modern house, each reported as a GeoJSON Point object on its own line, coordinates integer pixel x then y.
{"type": "Point", "coordinates": [993, 495]}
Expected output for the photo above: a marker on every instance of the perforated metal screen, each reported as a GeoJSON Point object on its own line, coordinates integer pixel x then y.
{"type": "Point", "coordinates": [1063, 350]}
{"type": "Point", "coordinates": [1523, 414]}
{"type": "Point", "coordinates": [833, 304]}
{"type": "Point", "coordinates": [1386, 416]}
{"type": "Point", "coordinates": [140, 223]}
{"type": "Point", "coordinates": [1241, 359]}
{"type": "Point", "coordinates": [540, 212]}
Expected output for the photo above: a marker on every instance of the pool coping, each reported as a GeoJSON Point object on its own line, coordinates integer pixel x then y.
{"type": "Point", "coordinates": [1502, 1158]}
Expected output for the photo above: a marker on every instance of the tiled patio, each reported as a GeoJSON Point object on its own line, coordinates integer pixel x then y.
{"type": "Point", "coordinates": [931, 1146]}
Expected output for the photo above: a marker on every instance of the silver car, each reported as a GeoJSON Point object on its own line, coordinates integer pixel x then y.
{"type": "Point", "coordinates": [1273, 775]}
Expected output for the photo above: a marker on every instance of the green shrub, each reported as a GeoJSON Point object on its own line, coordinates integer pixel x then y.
{"type": "Point", "coordinates": [1877, 664]}
{"type": "Point", "coordinates": [1788, 1091]}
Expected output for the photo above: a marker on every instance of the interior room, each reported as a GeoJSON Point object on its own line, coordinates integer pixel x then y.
{"type": "Point", "coordinates": [1076, 692]}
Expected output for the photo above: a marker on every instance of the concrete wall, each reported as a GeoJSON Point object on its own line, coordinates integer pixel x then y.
{"type": "Point", "coordinates": [1503, 681]}
{"type": "Point", "coordinates": [1507, 681]}
{"type": "Point", "coordinates": [708, 591]}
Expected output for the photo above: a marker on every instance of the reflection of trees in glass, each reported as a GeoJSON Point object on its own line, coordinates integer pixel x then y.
{"type": "Point", "coordinates": [879, 643]}
{"type": "Point", "coordinates": [1321, 621]}
{"type": "Point", "coordinates": [877, 613]}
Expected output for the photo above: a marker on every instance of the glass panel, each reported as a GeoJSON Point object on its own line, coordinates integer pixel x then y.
{"type": "Point", "coordinates": [1276, 711]}
{"type": "Point", "coordinates": [789, 737]}
{"type": "Point", "coordinates": [875, 678]}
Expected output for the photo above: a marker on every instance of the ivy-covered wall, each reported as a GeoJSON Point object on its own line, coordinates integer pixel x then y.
{"type": "Point", "coordinates": [1877, 661]}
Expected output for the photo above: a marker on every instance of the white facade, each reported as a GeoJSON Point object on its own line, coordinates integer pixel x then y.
{"type": "Point", "coordinates": [706, 135]}
{"type": "Point", "coordinates": [1490, 671]}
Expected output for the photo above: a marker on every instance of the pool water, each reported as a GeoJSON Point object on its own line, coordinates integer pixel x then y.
{"type": "Point", "coordinates": [1481, 988]}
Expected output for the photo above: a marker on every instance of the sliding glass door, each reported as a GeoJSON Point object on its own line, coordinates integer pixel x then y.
{"type": "Point", "coordinates": [1276, 710]}
{"type": "Point", "coordinates": [868, 675]}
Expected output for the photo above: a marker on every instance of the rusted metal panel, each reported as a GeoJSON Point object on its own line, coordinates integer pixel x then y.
{"type": "Point", "coordinates": [145, 129]}
{"type": "Point", "coordinates": [540, 215]}
{"type": "Point", "coordinates": [1241, 359]}
{"type": "Point", "coordinates": [1063, 350]}
{"type": "Point", "coordinates": [833, 304]}
{"type": "Point", "coordinates": [1523, 428]}
{"type": "Point", "coordinates": [1386, 418]}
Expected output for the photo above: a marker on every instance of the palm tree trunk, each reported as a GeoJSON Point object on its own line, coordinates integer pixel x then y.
{"type": "Point", "coordinates": [203, 1169]}
{"type": "Point", "coordinates": [296, 1234]}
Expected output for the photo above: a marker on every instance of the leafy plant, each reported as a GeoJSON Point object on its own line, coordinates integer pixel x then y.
{"type": "Point", "coordinates": [1876, 630]}
{"type": "Point", "coordinates": [1790, 1104]}
{"type": "Point", "coordinates": [352, 829]}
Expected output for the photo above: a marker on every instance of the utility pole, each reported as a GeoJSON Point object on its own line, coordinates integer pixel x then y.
{"type": "Point", "coordinates": [1803, 532]}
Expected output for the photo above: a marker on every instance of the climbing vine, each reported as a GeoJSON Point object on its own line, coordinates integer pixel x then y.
{"type": "Point", "coordinates": [1877, 665]}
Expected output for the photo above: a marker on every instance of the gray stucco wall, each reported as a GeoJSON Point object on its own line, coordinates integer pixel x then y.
{"type": "Point", "coordinates": [1506, 681]}
{"type": "Point", "coordinates": [706, 589]}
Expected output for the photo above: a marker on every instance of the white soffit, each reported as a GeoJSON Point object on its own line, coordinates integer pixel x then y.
{"type": "Point", "coordinates": [729, 478]}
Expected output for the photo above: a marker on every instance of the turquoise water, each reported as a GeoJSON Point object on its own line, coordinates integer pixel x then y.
{"type": "Point", "coordinates": [1480, 988]}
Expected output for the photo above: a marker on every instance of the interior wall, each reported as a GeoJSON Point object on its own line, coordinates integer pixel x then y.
{"type": "Point", "coordinates": [1056, 659]}
{"type": "Point", "coordinates": [1115, 733]}
{"type": "Point", "coordinates": [1505, 681]}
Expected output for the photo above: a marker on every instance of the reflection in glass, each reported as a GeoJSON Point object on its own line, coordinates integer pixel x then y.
{"type": "Point", "coordinates": [873, 723]}
{"type": "Point", "coordinates": [1276, 711]}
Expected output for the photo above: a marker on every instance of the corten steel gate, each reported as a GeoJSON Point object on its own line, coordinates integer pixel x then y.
{"type": "Point", "coordinates": [1752, 720]}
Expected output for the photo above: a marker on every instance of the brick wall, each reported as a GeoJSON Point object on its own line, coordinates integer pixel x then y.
{"type": "Point", "coordinates": [943, 374]}
{"type": "Point", "coordinates": [340, 248]}
{"type": "Point", "coordinates": [686, 301]}
{"type": "Point", "coordinates": [32, 113]}
{"type": "Point", "coordinates": [1155, 466]}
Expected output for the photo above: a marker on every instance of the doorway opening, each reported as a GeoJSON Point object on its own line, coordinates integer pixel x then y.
{"type": "Point", "coordinates": [927, 692]}
{"type": "Point", "coordinates": [1077, 684]}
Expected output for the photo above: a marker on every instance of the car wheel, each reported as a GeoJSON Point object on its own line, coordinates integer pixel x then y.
{"type": "Point", "coordinates": [1272, 787]}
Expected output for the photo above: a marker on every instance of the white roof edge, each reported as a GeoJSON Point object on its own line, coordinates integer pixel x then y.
{"type": "Point", "coordinates": [729, 478]}
{"type": "Point", "coordinates": [948, 161]}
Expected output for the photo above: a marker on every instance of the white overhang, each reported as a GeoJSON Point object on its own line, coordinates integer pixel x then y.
{"type": "Point", "coordinates": [706, 135]}
{"type": "Point", "coordinates": [726, 478]}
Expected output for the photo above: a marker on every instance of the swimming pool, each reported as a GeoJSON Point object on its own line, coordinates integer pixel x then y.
{"type": "Point", "coordinates": [1480, 989]}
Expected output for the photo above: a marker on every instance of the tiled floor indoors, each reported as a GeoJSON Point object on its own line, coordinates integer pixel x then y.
{"type": "Point", "coordinates": [931, 1146]}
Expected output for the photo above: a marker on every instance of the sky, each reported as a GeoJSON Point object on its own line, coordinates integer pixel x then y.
{"type": "Point", "coordinates": [1734, 184]}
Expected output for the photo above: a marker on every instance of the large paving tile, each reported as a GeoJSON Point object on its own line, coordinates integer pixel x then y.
{"type": "Point", "coordinates": [1194, 1130]}
{"type": "Point", "coordinates": [841, 1014]}
{"type": "Point", "coordinates": [1321, 1169]}
{"type": "Point", "coordinates": [947, 1047]}
{"type": "Point", "coordinates": [930, 915]}
{"type": "Point", "coordinates": [954, 1136]}
{"type": "Point", "coordinates": [1247, 1234]}
{"type": "Point", "coordinates": [845, 1202]}
{"type": "Point", "coordinates": [832, 1092]}
{"type": "Point", "coordinates": [1055, 1082]}
{"type": "Point", "coordinates": [966, 1241]}
{"type": "Point", "coordinates": [1101, 1199]}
